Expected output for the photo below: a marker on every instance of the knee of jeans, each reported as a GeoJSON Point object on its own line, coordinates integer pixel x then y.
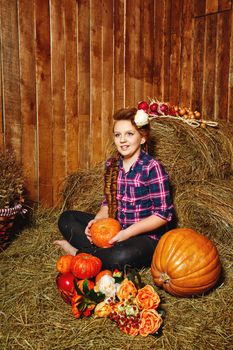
{"type": "Point", "coordinates": [64, 218]}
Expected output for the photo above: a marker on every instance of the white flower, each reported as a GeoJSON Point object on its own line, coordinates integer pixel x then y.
{"type": "Point", "coordinates": [141, 118]}
{"type": "Point", "coordinates": [106, 285]}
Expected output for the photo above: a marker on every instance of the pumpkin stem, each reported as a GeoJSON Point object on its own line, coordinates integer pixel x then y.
{"type": "Point", "coordinates": [165, 278]}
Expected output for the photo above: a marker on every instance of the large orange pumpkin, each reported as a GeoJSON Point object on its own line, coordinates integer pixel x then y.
{"type": "Point", "coordinates": [103, 230]}
{"type": "Point", "coordinates": [185, 263]}
{"type": "Point", "coordinates": [85, 265]}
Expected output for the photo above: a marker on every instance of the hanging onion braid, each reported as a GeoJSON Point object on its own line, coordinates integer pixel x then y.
{"type": "Point", "coordinates": [110, 188]}
{"type": "Point", "coordinates": [111, 171]}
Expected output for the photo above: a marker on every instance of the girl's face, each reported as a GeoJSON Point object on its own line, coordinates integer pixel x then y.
{"type": "Point", "coordinates": [127, 139]}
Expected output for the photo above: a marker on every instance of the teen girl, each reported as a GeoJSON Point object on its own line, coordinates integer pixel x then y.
{"type": "Point", "coordinates": [136, 192]}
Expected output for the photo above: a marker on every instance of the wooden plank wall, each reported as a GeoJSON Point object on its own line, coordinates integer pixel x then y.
{"type": "Point", "coordinates": [66, 65]}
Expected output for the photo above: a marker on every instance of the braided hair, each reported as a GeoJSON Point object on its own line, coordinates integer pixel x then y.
{"type": "Point", "coordinates": [112, 169]}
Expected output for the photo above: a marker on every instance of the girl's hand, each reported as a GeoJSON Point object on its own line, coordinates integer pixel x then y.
{"type": "Point", "coordinates": [87, 229]}
{"type": "Point", "coordinates": [120, 236]}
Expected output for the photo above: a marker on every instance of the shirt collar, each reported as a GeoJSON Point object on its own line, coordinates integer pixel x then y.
{"type": "Point", "coordinates": [137, 166]}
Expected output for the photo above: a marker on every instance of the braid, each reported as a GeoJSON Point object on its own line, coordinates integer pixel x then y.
{"type": "Point", "coordinates": [146, 147]}
{"type": "Point", "coordinates": [110, 186]}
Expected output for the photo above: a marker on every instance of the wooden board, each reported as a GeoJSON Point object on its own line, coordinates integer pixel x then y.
{"type": "Point", "coordinates": [130, 25]}
{"type": "Point", "coordinates": [162, 50]}
{"type": "Point", "coordinates": [28, 97]}
{"type": "Point", "coordinates": [96, 82]}
{"type": "Point", "coordinates": [230, 79]}
{"type": "Point", "coordinates": [10, 76]}
{"type": "Point", "coordinates": [198, 63]}
{"type": "Point", "coordinates": [58, 59]}
{"type": "Point", "coordinates": [107, 87]}
{"type": "Point", "coordinates": [1, 93]}
{"type": "Point", "coordinates": [138, 52]}
{"type": "Point", "coordinates": [209, 69]}
{"type": "Point", "coordinates": [71, 86]}
{"type": "Point", "coordinates": [67, 65]}
{"type": "Point", "coordinates": [119, 54]}
{"type": "Point", "coordinates": [175, 56]}
{"type": "Point", "coordinates": [84, 78]}
{"type": "Point", "coordinates": [199, 8]}
{"type": "Point", "coordinates": [222, 64]}
{"type": "Point", "coordinates": [147, 42]}
{"type": "Point", "coordinates": [187, 55]}
{"type": "Point", "coordinates": [44, 102]}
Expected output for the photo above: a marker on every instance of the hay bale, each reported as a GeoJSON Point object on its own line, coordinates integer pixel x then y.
{"type": "Point", "coordinates": [207, 207]}
{"type": "Point", "coordinates": [192, 154]}
{"type": "Point", "coordinates": [83, 190]}
{"type": "Point", "coordinates": [188, 154]}
{"type": "Point", "coordinates": [33, 315]}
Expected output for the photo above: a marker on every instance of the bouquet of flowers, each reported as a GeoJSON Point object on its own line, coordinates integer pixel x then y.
{"type": "Point", "coordinates": [116, 295]}
{"type": "Point", "coordinates": [134, 310]}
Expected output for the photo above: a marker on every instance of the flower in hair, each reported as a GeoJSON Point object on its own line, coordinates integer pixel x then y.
{"type": "Point", "coordinates": [141, 118]}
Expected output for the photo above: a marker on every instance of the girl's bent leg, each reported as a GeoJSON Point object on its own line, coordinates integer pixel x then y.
{"type": "Point", "coordinates": [136, 252]}
{"type": "Point", "coordinates": [72, 226]}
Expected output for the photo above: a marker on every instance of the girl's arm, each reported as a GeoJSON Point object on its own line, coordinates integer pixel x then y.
{"type": "Point", "coordinates": [146, 225]}
{"type": "Point", "coordinates": [101, 214]}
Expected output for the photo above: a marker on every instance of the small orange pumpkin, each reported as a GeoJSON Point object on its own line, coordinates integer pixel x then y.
{"type": "Point", "coordinates": [103, 230]}
{"type": "Point", "coordinates": [90, 286]}
{"type": "Point", "coordinates": [63, 263]}
{"type": "Point", "coordinates": [85, 266]}
{"type": "Point", "coordinates": [185, 263]}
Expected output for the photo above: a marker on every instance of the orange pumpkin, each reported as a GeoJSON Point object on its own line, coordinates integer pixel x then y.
{"type": "Point", "coordinates": [85, 265]}
{"type": "Point", "coordinates": [185, 263]}
{"type": "Point", "coordinates": [90, 285]}
{"type": "Point", "coordinates": [63, 263]}
{"type": "Point", "coordinates": [103, 230]}
{"type": "Point", "coordinates": [77, 299]}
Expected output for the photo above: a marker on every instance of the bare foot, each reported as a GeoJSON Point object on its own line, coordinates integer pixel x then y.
{"type": "Point", "coordinates": [66, 246]}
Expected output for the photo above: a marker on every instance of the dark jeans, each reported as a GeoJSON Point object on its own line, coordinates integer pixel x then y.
{"type": "Point", "coordinates": [136, 252]}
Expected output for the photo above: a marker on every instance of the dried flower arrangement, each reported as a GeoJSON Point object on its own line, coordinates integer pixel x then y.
{"type": "Point", "coordinates": [11, 180]}
{"type": "Point", "coordinates": [11, 195]}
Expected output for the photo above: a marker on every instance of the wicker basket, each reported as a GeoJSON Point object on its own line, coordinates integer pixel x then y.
{"type": "Point", "coordinates": [7, 218]}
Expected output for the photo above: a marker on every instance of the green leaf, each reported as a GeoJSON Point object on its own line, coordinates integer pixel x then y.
{"type": "Point", "coordinates": [85, 287]}
{"type": "Point", "coordinates": [133, 275]}
{"type": "Point", "coordinates": [139, 284]}
{"type": "Point", "coordinates": [118, 279]}
{"type": "Point", "coordinates": [77, 288]}
{"type": "Point", "coordinates": [97, 297]}
{"type": "Point", "coordinates": [81, 306]}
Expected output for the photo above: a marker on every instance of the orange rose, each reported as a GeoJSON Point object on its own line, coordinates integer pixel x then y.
{"type": "Point", "coordinates": [102, 309]}
{"type": "Point", "coordinates": [74, 305]}
{"type": "Point", "coordinates": [76, 312]}
{"type": "Point", "coordinates": [150, 321]}
{"type": "Point", "coordinates": [88, 310]}
{"type": "Point", "coordinates": [130, 330]}
{"type": "Point", "coordinates": [76, 298]}
{"type": "Point", "coordinates": [126, 290]}
{"type": "Point", "coordinates": [147, 298]}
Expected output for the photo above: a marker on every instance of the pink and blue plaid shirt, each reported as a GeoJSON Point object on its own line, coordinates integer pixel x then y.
{"type": "Point", "coordinates": [143, 191]}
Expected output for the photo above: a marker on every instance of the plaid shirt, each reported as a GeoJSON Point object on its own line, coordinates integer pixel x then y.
{"type": "Point", "coordinates": [143, 191]}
